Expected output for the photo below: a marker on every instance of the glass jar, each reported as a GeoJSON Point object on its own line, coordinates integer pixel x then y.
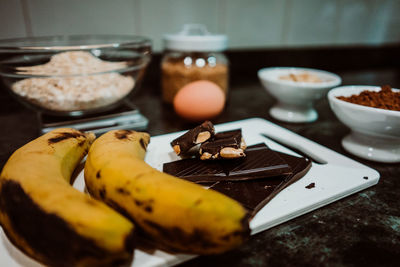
{"type": "Point", "coordinates": [191, 55]}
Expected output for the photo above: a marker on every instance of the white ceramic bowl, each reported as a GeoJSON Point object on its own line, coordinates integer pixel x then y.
{"type": "Point", "coordinates": [296, 99]}
{"type": "Point", "coordinates": [375, 133]}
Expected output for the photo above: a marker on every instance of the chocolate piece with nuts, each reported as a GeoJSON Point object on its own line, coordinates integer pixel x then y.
{"type": "Point", "coordinates": [228, 145]}
{"type": "Point", "coordinates": [193, 137]}
{"type": "Point", "coordinates": [260, 162]}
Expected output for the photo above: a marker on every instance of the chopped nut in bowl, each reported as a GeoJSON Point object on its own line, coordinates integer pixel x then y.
{"type": "Point", "coordinates": [296, 90]}
{"type": "Point", "coordinates": [73, 75]}
{"type": "Point", "coordinates": [302, 77]}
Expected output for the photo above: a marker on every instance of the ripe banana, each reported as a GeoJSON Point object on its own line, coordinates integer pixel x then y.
{"type": "Point", "coordinates": [177, 214]}
{"type": "Point", "coordinates": [43, 215]}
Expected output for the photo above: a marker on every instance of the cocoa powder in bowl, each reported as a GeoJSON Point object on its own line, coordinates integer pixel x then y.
{"type": "Point", "coordinates": [386, 98]}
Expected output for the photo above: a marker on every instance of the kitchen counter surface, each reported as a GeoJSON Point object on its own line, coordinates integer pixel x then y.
{"type": "Point", "coordinates": [360, 230]}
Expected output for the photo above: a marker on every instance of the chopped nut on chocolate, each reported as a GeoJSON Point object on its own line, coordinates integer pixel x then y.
{"type": "Point", "coordinates": [229, 144]}
{"type": "Point", "coordinates": [230, 152]}
{"type": "Point", "coordinates": [177, 149]}
{"type": "Point", "coordinates": [205, 156]}
{"type": "Point", "coordinates": [193, 137]}
{"type": "Point", "coordinates": [202, 137]}
{"type": "Point", "coordinates": [243, 144]}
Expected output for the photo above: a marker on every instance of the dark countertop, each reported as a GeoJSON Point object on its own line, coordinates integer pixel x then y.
{"type": "Point", "coordinates": [360, 230]}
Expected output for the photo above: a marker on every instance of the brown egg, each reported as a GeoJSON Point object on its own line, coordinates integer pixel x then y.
{"type": "Point", "coordinates": [199, 100]}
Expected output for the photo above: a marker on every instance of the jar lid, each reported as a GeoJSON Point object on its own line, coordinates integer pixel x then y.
{"type": "Point", "coordinates": [195, 37]}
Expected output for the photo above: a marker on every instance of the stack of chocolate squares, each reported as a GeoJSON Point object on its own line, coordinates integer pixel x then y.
{"type": "Point", "coordinates": [251, 175]}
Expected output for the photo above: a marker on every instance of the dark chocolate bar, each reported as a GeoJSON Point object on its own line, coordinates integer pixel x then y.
{"type": "Point", "coordinates": [195, 170]}
{"type": "Point", "coordinates": [193, 137]}
{"type": "Point", "coordinates": [255, 194]}
{"type": "Point", "coordinates": [229, 144]}
{"type": "Point", "coordinates": [260, 162]}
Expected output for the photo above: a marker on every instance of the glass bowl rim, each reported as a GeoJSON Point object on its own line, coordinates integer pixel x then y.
{"type": "Point", "coordinates": [109, 41]}
{"type": "Point", "coordinates": [123, 41]}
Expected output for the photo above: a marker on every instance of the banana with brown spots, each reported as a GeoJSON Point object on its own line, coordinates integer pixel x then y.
{"type": "Point", "coordinates": [177, 214]}
{"type": "Point", "coordinates": [44, 216]}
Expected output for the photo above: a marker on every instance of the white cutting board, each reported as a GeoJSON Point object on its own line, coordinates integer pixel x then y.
{"type": "Point", "coordinates": [338, 178]}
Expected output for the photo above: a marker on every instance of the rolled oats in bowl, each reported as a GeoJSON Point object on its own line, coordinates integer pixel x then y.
{"type": "Point", "coordinates": [74, 90]}
{"type": "Point", "coordinates": [73, 75]}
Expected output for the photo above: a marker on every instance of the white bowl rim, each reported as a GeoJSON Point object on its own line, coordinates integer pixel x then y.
{"type": "Point", "coordinates": [336, 80]}
{"type": "Point", "coordinates": [334, 92]}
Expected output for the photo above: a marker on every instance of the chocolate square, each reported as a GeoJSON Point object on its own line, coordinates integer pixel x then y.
{"type": "Point", "coordinates": [255, 194]}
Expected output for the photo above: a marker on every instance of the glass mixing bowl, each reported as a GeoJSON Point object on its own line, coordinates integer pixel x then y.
{"type": "Point", "coordinates": [73, 75]}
